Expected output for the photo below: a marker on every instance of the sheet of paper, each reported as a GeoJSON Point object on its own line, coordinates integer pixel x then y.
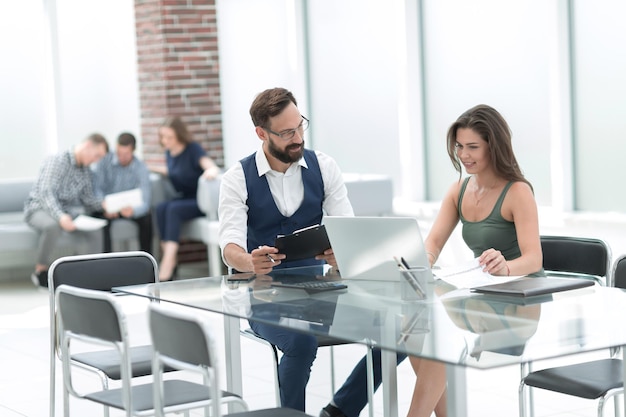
{"type": "Point", "coordinates": [117, 201]}
{"type": "Point", "coordinates": [88, 223]}
{"type": "Point", "coordinates": [469, 275]}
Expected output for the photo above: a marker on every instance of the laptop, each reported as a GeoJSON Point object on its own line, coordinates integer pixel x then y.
{"type": "Point", "coordinates": [365, 247]}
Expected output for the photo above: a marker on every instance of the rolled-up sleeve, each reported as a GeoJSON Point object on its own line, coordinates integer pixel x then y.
{"type": "Point", "coordinates": [336, 202]}
{"type": "Point", "coordinates": [232, 209]}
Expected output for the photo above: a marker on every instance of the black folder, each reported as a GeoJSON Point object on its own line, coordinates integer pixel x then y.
{"type": "Point", "coordinates": [528, 287]}
{"type": "Point", "coordinates": [303, 243]}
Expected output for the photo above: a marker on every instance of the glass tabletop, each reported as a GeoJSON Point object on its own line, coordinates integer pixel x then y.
{"type": "Point", "coordinates": [446, 324]}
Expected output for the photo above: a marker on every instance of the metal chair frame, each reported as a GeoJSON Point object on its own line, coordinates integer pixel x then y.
{"type": "Point", "coordinates": [100, 272]}
{"type": "Point", "coordinates": [568, 375]}
{"type": "Point", "coordinates": [173, 332]}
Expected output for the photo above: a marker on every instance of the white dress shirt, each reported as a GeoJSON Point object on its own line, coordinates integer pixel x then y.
{"type": "Point", "coordinates": [287, 190]}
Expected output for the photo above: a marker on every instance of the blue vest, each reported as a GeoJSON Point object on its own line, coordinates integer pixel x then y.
{"type": "Point", "coordinates": [265, 221]}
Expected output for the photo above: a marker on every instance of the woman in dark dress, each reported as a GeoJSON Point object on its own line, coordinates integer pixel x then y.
{"type": "Point", "coordinates": [186, 162]}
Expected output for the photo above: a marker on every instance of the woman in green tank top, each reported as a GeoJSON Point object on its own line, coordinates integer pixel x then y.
{"type": "Point", "coordinates": [497, 208]}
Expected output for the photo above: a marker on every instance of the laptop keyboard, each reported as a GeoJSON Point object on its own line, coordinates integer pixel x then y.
{"type": "Point", "coordinates": [313, 286]}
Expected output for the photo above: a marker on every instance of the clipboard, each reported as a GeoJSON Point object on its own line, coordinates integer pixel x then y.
{"type": "Point", "coordinates": [304, 243]}
{"type": "Point", "coordinates": [529, 287]}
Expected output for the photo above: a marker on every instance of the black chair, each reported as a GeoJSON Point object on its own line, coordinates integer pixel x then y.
{"type": "Point", "coordinates": [576, 257]}
{"type": "Point", "coordinates": [183, 340]}
{"type": "Point", "coordinates": [99, 272]}
{"type": "Point", "coordinates": [96, 318]}
{"type": "Point", "coordinates": [592, 380]}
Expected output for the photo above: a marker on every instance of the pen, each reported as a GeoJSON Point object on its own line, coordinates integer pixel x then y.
{"type": "Point", "coordinates": [268, 256]}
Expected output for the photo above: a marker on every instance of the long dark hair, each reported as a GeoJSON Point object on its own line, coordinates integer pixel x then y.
{"type": "Point", "coordinates": [491, 126]}
{"type": "Point", "coordinates": [180, 129]}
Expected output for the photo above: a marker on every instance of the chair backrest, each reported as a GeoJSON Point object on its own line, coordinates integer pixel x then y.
{"type": "Point", "coordinates": [183, 341]}
{"type": "Point", "coordinates": [103, 271]}
{"type": "Point", "coordinates": [618, 273]}
{"type": "Point", "coordinates": [180, 336]}
{"type": "Point", "coordinates": [90, 313]}
{"type": "Point", "coordinates": [208, 196]}
{"type": "Point", "coordinates": [576, 255]}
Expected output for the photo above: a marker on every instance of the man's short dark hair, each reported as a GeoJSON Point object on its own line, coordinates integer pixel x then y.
{"type": "Point", "coordinates": [98, 139]}
{"type": "Point", "coordinates": [127, 139]}
{"type": "Point", "coordinates": [268, 104]}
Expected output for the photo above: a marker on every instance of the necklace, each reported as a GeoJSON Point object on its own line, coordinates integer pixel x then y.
{"type": "Point", "coordinates": [478, 196]}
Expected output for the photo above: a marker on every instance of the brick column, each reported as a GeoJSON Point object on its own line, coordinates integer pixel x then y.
{"type": "Point", "coordinates": [178, 70]}
{"type": "Point", "coordinates": [179, 76]}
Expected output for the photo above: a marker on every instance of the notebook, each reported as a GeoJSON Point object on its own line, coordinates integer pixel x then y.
{"type": "Point", "coordinates": [365, 247]}
{"type": "Point", "coordinates": [530, 287]}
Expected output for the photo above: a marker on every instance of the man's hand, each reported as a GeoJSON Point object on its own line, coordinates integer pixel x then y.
{"type": "Point", "coordinates": [127, 212]}
{"type": "Point", "coordinates": [329, 257]}
{"type": "Point", "coordinates": [67, 223]}
{"type": "Point", "coordinates": [265, 258]}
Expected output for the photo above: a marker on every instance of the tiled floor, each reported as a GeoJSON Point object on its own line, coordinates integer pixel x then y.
{"type": "Point", "coordinates": [25, 368]}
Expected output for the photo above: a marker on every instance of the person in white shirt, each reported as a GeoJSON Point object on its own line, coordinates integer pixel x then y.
{"type": "Point", "coordinates": [280, 188]}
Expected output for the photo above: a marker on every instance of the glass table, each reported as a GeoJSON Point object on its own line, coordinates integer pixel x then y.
{"type": "Point", "coordinates": [449, 325]}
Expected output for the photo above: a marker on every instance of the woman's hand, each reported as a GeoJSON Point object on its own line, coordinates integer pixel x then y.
{"type": "Point", "coordinates": [211, 172]}
{"type": "Point", "coordinates": [493, 262]}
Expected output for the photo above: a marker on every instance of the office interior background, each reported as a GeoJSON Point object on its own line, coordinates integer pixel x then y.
{"type": "Point", "coordinates": [380, 80]}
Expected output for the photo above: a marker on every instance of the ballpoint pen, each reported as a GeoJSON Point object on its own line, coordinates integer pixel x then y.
{"type": "Point", "coordinates": [268, 256]}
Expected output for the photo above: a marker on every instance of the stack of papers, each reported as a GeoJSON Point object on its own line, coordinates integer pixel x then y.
{"type": "Point", "coordinates": [88, 223]}
{"type": "Point", "coordinates": [117, 201]}
{"type": "Point", "coordinates": [469, 275]}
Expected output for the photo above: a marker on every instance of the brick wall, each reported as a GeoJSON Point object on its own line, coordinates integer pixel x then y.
{"type": "Point", "coordinates": [178, 72]}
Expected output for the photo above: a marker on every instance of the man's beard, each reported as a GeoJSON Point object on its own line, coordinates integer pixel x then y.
{"type": "Point", "coordinates": [286, 156]}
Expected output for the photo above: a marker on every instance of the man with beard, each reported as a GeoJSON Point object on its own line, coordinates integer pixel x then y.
{"type": "Point", "coordinates": [278, 189]}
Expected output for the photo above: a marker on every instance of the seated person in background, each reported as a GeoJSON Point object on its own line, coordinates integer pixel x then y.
{"type": "Point", "coordinates": [497, 208]}
{"type": "Point", "coordinates": [186, 161]}
{"type": "Point", "coordinates": [280, 188]}
{"type": "Point", "coordinates": [62, 191]}
{"type": "Point", "coordinates": [122, 171]}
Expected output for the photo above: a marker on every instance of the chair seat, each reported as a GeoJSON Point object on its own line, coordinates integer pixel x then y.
{"type": "Point", "coordinates": [586, 380]}
{"type": "Point", "coordinates": [271, 412]}
{"type": "Point", "coordinates": [109, 361]}
{"type": "Point", "coordinates": [176, 392]}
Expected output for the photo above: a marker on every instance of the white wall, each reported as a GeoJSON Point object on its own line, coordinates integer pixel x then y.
{"type": "Point", "coordinates": [96, 79]}
{"type": "Point", "coordinates": [260, 46]}
{"type": "Point", "coordinates": [356, 68]}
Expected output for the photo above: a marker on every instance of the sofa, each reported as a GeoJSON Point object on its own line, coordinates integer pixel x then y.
{"type": "Point", "coordinates": [18, 241]}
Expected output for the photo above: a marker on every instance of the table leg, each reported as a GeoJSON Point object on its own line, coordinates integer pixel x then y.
{"type": "Point", "coordinates": [390, 383]}
{"type": "Point", "coordinates": [232, 344]}
{"type": "Point", "coordinates": [623, 374]}
{"type": "Point", "coordinates": [457, 390]}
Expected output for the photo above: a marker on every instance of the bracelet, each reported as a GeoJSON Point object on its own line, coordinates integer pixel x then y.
{"type": "Point", "coordinates": [508, 271]}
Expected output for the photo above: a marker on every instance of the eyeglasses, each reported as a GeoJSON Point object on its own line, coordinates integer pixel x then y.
{"type": "Point", "coordinates": [287, 135]}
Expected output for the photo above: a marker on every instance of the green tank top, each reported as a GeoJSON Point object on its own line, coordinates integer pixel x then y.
{"type": "Point", "coordinates": [492, 232]}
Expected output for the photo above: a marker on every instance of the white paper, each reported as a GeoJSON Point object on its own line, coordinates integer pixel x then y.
{"type": "Point", "coordinates": [469, 275]}
{"type": "Point", "coordinates": [88, 223]}
{"type": "Point", "coordinates": [117, 201]}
